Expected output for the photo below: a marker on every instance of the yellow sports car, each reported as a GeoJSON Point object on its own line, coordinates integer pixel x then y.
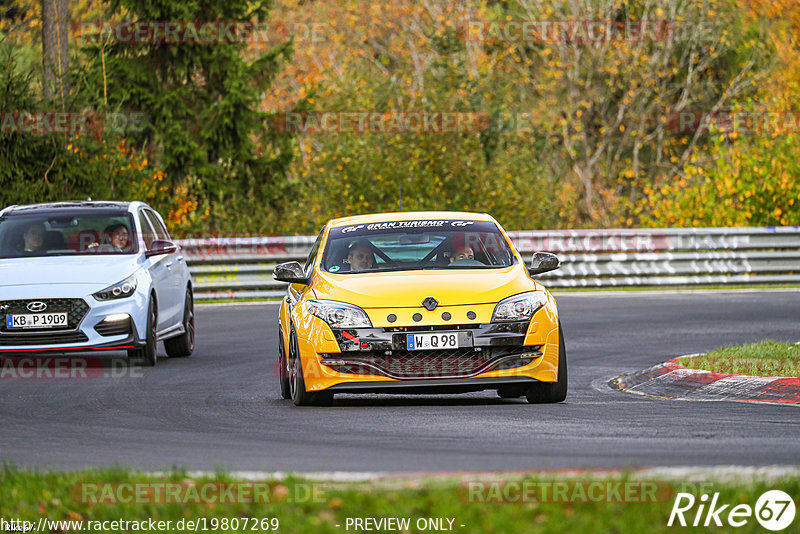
{"type": "Point", "coordinates": [424, 302]}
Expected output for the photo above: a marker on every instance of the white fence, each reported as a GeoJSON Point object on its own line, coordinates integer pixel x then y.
{"type": "Point", "coordinates": [242, 267]}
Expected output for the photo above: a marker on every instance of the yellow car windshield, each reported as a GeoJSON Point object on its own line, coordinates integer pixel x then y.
{"type": "Point", "coordinates": [416, 245]}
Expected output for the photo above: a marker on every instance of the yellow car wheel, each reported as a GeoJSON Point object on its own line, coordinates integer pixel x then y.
{"type": "Point", "coordinates": [511, 392]}
{"type": "Point", "coordinates": [283, 373]}
{"type": "Point", "coordinates": [297, 385]}
{"type": "Point", "coordinates": [552, 392]}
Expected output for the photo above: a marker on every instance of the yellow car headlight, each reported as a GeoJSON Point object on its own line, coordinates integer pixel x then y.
{"type": "Point", "coordinates": [338, 314]}
{"type": "Point", "coordinates": [519, 307]}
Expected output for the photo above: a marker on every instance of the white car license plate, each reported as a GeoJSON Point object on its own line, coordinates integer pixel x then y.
{"type": "Point", "coordinates": [37, 320]}
{"type": "Point", "coordinates": [437, 340]}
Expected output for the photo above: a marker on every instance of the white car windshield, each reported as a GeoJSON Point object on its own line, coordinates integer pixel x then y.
{"type": "Point", "coordinates": [416, 245]}
{"type": "Point", "coordinates": [72, 233]}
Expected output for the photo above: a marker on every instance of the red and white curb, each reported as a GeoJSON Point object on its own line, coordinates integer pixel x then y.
{"type": "Point", "coordinates": [670, 380]}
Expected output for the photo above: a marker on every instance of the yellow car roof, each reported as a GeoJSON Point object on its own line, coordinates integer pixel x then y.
{"type": "Point", "coordinates": [410, 216]}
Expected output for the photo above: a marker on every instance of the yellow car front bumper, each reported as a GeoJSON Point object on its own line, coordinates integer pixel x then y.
{"type": "Point", "coordinates": [375, 359]}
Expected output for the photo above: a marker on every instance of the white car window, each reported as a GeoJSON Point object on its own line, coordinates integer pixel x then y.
{"type": "Point", "coordinates": [155, 222]}
{"type": "Point", "coordinates": [148, 234]}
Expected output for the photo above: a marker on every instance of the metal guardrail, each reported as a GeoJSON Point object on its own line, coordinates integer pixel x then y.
{"type": "Point", "coordinates": [242, 267]}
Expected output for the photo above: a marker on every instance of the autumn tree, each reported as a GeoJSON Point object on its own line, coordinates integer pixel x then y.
{"type": "Point", "coordinates": [206, 130]}
{"type": "Point", "coordinates": [55, 48]}
{"type": "Point", "coordinates": [579, 129]}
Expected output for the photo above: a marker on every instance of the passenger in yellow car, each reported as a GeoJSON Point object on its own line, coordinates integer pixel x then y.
{"type": "Point", "coordinates": [462, 253]}
{"type": "Point", "coordinates": [360, 256]}
{"type": "Point", "coordinates": [460, 249]}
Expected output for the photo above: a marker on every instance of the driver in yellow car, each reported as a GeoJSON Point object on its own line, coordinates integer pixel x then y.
{"type": "Point", "coordinates": [360, 256]}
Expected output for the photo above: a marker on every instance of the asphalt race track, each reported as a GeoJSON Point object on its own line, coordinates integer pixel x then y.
{"type": "Point", "coordinates": [221, 407]}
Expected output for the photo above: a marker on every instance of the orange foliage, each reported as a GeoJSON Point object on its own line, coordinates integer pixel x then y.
{"type": "Point", "coordinates": [785, 15]}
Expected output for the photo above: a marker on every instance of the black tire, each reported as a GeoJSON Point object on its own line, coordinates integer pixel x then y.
{"type": "Point", "coordinates": [283, 373]}
{"type": "Point", "coordinates": [182, 346]}
{"type": "Point", "coordinates": [511, 392]}
{"type": "Point", "coordinates": [297, 385]}
{"type": "Point", "coordinates": [551, 392]}
{"type": "Point", "coordinates": [147, 354]}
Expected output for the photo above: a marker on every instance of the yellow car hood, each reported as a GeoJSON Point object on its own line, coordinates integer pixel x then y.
{"type": "Point", "coordinates": [407, 289]}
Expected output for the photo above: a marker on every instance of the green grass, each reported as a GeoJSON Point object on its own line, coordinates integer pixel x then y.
{"type": "Point", "coordinates": [765, 358]}
{"type": "Point", "coordinates": [57, 496]}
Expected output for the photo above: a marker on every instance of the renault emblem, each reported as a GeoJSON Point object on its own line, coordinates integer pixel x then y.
{"type": "Point", "coordinates": [430, 303]}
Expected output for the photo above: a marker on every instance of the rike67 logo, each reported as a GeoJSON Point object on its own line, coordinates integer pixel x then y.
{"type": "Point", "coordinates": [774, 510]}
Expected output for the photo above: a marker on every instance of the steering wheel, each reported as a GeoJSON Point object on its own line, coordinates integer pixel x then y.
{"type": "Point", "coordinates": [430, 255]}
{"type": "Point", "coordinates": [384, 257]}
{"type": "Point", "coordinates": [466, 262]}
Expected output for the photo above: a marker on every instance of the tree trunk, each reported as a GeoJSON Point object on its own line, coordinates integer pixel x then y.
{"type": "Point", "coordinates": [55, 48]}
{"type": "Point", "coordinates": [586, 176]}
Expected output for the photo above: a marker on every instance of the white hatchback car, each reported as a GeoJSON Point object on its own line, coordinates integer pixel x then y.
{"type": "Point", "coordinates": [85, 276]}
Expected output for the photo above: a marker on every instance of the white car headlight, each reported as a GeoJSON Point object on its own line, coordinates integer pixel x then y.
{"type": "Point", "coordinates": [338, 314]}
{"type": "Point", "coordinates": [519, 307]}
{"type": "Point", "coordinates": [119, 290]}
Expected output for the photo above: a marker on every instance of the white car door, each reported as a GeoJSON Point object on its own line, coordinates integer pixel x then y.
{"type": "Point", "coordinates": [159, 273]}
{"type": "Point", "coordinates": [176, 273]}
